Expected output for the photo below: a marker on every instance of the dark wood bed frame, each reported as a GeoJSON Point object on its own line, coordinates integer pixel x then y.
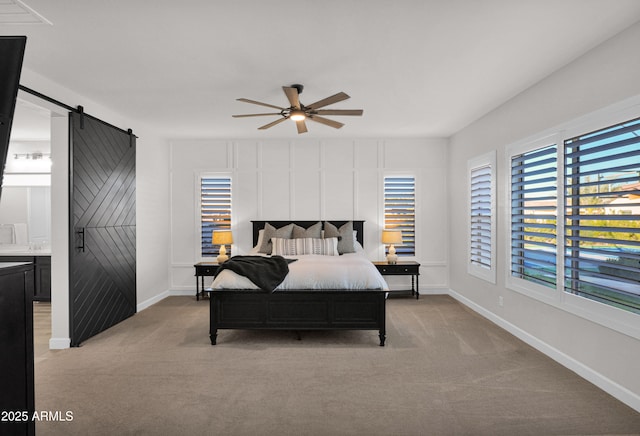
{"type": "Point", "coordinates": [327, 309]}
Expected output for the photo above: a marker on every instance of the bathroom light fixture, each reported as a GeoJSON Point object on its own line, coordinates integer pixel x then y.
{"type": "Point", "coordinates": [33, 156]}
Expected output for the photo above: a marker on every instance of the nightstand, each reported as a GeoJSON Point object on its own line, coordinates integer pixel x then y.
{"type": "Point", "coordinates": [204, 269]}
{"type": "Point", "coordinates": [402, 268]}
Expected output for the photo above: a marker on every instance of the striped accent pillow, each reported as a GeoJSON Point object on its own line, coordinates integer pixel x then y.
{"type": "Point", "coordinates": [302, 246]}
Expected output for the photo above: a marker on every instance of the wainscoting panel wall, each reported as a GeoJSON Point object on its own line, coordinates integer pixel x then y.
{"type": "Point", "coordinates": [339, 192]}
{"type": "Point", "coordinates": [307, 155]}
{"type": "Point", "coordinates": [276, 193]}
{"type": "Point", "coordinates": [310, 179]}
{"type": "Point", "coordinates": [368, 203]}
{"type": "Point", "coordinates": [303, 204]}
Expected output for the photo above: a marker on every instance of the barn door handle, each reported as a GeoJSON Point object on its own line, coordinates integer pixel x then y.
{"type": "Point", "coordinates": [81, 234]}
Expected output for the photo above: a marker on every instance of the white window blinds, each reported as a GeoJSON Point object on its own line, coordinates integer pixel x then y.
{"type": "Point", "coordinates": [602, 198]}
{"type": "Point", "coordinates": [481, 217]}
{"type": "Point", "coordinates": [400, 211]}
{"type": "Point", "coordinates": [215, 211]}
{"type": "Point", "coordinates": [533, 215]}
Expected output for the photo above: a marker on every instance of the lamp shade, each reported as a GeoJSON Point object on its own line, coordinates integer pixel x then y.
{"type": "Point", "coordinates": [391, 236]}
{"type": "Point", "coordinates": [221, 237]}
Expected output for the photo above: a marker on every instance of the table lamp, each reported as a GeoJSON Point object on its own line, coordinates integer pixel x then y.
{"type": "Point", "coordinates": [222, 237]}
{"type": "Point", "coordinates": [391, 237]}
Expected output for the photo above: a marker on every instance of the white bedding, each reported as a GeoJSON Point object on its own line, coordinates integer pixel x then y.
{"type": "Point", "coordinates": [349, 271]}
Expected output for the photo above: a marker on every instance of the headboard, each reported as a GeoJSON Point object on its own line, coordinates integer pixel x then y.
{"type": "Point", "coordinates": [358, 226]}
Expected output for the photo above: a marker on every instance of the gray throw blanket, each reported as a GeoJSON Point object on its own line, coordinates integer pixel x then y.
{"type": "Point", "coordinates": [264, 272]}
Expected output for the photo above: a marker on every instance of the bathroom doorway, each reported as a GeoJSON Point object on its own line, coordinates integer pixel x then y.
{"type": "Point", "coordinates": [25, 208]}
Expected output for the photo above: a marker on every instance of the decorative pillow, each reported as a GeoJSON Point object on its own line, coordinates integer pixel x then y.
{"type": "Point", "coordinates": [346, 240]}
{"type": "Point", "coordinates": [256, 249]}
{"type": "Point", "coordinates": [272, 232]}
{"type": "Point", "coordinates": [315, 231]}
{"type": "Point", "coordinates": [302, 246]}
{"type": "Point", "coordinates": [283, 247]}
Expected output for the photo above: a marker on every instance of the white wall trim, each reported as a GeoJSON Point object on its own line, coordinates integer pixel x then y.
{"type": "Point", "coordinates": [616, 390]}
{"type": "Point", "coordinates": [59, 343]}
{"type": "Point", "coordinates": [310, 191]}
{"type": "Point", "coordinates": [183, 289]}
{"type": "Point", "coordinates": [181, 292]}
{"type": "Point", "coordinates": [436, 286]}
{"type": "Point", "coordinates": [259, 172]}
{"type": "Point", "coordinates": [151, 301]}
{"type": "Point", "coordinates": [433, 263]}
{"type": "Point", "coordinates": [434, 290]}
{"type": "Point", "coordinates": [609, 316]}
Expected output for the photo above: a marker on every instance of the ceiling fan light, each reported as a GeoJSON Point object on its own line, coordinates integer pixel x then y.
{"type": "Point", "coordinates": [297, 115]}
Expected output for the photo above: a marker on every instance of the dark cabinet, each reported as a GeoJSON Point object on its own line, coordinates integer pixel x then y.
{"type": "Point", "coordinates": [204, 269]}
{"type": "Point", "coordinates": [41, 272]}
{"type": "Point", "coordinates": [42, 291]}
{"type": "Point", "coordinates": [402, 268]}
{"type": "Point", "coordinates": [16, 342]}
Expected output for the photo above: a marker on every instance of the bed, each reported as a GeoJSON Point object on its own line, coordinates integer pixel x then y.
{"type": "Point", "coordinates": [354, 303]}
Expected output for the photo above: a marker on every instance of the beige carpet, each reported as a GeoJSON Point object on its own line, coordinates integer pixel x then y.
{"type": "Point", "coordinates": [41, 328]}
{"type": "Point", "coordinates": [444, 371]}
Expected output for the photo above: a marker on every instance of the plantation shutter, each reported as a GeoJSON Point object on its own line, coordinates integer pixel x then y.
{"type": "Point", "coordinates": [602, 195]}
{"type": "Point", "coordinates": [215, 207]}
{"type": "Point", "coordinates": [533, 215]}
{"type": "Point", "coordinates": [399, 211]}
{"type": "Point", "coordinates": [481, 208]}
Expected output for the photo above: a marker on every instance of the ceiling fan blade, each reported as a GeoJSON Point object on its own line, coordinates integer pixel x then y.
{"type": "Point", "coordinates": [254, 115]}
{"type": "Point", "coordinates": [329, 100]}
{"type": "Point", "coordinates": [302, 127]}
{"type": "Point", "coordinates": [339, 112]}
{"type": "Point", "coordinates": [292, 95]}
{"type": "Point", "coordinates": [326, 121]}
{"type": "Point", "coordinates": [246, 100]}
{"type": "Point", "coordinates": [266, 126]}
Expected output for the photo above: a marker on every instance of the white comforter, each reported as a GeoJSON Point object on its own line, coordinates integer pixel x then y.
{"type": "Point", "coordinates": [349, 271]}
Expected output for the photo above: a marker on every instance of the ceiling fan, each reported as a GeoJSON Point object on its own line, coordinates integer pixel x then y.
{"type": "Point", "coordinates": [299, 112]}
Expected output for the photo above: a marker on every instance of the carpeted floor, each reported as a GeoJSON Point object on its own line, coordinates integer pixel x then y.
{"type": "Point", "coordinates": [445, 371]}
{"type": "Point", "coordinates": [41, 328]}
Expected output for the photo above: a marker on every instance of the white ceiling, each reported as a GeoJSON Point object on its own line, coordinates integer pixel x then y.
{"type": "Point", "coordinates": [420, 68]}
{"type": "Point", "coordinates": [30, 123]}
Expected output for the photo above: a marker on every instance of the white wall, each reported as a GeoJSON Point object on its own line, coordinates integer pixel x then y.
{"type": "Point", "coordinates": [152, 219]}
{"type": "Point", "coordinates": [605, 76]}
{"type": "Point", "coordinates": [307, 179]}
{"type": "Point", "coordinates": [14, 205]}
{"type": "Point", "coordinates": [30, 205]}
{"type": "Point", "coordinates": [60, 337]}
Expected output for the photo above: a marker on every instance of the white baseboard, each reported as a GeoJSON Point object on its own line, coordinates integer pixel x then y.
{"type": "Point", "coordinates": [183, 292]}
{"type": "Point", "coordinates": [151, 301]}
{"type": "Point", "coordinates": [184, 288]}
{"type": "Point", "coordinates": [59, 343]}
{"type": "Point", "coordinates": [63, 343]}
{"type": "Point", "coordinates": [612, 388]}
{"type": "Point", "coordinates": [434, 291]}
{"type": "Point", "coordinates": [431, 290]}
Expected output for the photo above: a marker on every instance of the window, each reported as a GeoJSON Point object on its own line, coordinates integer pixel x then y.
{"type": "Point", "coordinates": [399, 211]}
{"type": "Point", "coordinates": [533, 215]}
{"type": "Point", "coordinates": [482, 217]}
{"type": "Point", "coordinates": [215, 211]}
{"type": "Point", "coordinates": [602, 217]}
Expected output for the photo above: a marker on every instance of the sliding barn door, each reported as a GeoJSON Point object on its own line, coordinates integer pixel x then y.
{"type": "Point", "coordinates": [103, 227]}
